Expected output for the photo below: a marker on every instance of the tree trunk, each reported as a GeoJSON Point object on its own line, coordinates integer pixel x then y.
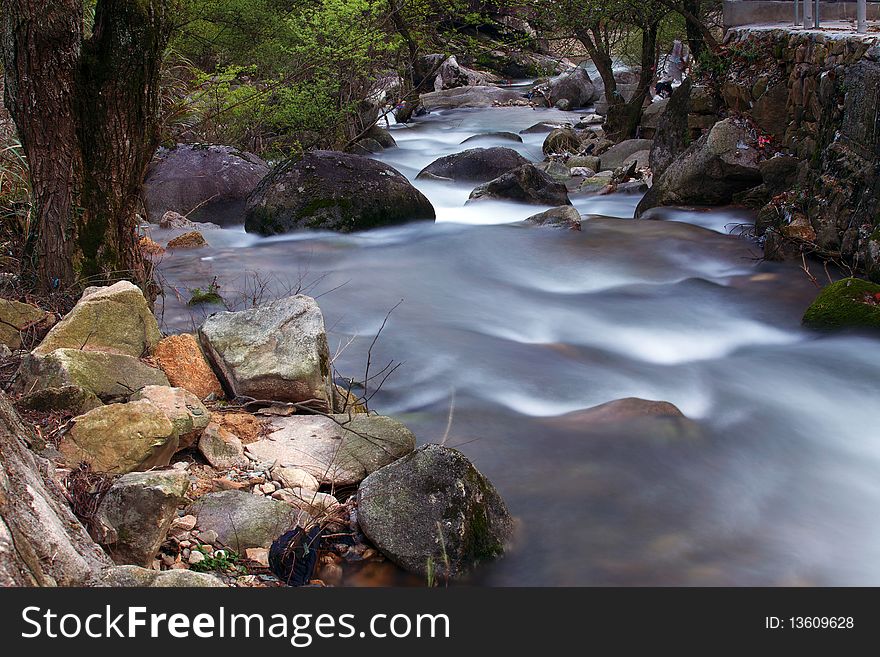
{"type": "Point", "coordinates": [41, 542]}
{"type": "Point", "coordinates": [623, 117]}
{"type": "Point", "coordinates": [87, 114]}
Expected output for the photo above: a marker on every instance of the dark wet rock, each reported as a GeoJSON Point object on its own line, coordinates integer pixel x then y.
{"type": "Point", "coordinates": [525, 184]}
{"type": "Point", "coordinates": [562, 140]}
{"type": "Point", "coordinates": [207, 183]}
{"type": "Point", "coordinates": [540, 128]}
{"type": "Point", "coordinates": [672, 133]}
{"type": "Point", "coordinates": [618, 154]}
{"type": "Point", "coordinates": [71, 398]}
{"type": "Point", "coordinates": [719, 165]}
{"type": "Point", "coordinates": [329, 190]}
{"type": "Point", "coordinates": [474, 164]}
{"type": "Point", "coordinates": [488, 136]}
{"type": "Point", "coordinates": [433, 510]}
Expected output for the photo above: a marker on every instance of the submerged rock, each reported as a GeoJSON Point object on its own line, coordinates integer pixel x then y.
{"type": "Point", "coordinates": [434, 511]}
{"type": "Point", "coordinates": [525, 184]}
{"type": "Point", "coordinates": [115, 319]}
{"type": "Point", "coordinates": [340, 450]}
{"type": "Point", "coordinates": [631, 416]}
{"type": "Point", "coordinates": [277, 351]}
{"type": "Point", "coordinates": [851, 303]}
{"type": "Point", "coordinates": [135, 514]}
{"type": "Point", "coordinates": [244, 520]}
{"type": "Point", "coordinates": [120, 438]}
{"type": "Point", "coordinates": [488, 136]}
{"type": "Point", "coordinates": [565, 216]}
{"type": "Point", "coordinates": [209, 183]}
{"type": "Point", "coordinates": [329, 190]}
{"type": "Point", "coordinates": [474, 164]}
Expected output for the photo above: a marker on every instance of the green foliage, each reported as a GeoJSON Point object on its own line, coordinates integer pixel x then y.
{"type": "Point", "coordinates": [209, 295]}
{"type": "Point", "coordinates": [219, 560]}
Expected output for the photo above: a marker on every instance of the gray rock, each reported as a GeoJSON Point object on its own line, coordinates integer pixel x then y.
{"type": "Point", "coordinates": [435, 507]}
{"type": "Point", "coordinates": [555, 169]}
{"type": "Point", "coordinates": [561, 141]}
{"type": "Point", "coordinates": [564, 216]}
{"type": "Point", "coordinates": [651, 117]}
{"type": "Point", "coordinates": [108, 376]}
{"type": "Point", "coordinates": [575, 87]}
{"type": "Point", "coordinates": [135, 514]}
{"type": "Point", "coordinates": [329, 190]}
{"type": "Point", "coordinates": [338, 450]}
{"type": "Point", "coordinates": [188, 415]}
{"type": "Point", "coordinates": [277, 351]}
{"type": "Point", "coordinates": [583, 161]}
{"type": "Point", "coordinates": [135, 576]}
{"type": "Point", "coordinates": [540, 128]}
{"type": "Point", "coordinates": [291, 477]}
{"type": "Point", "coordinates": [640, 418]}
{"type": "Point", "coordinates": [244, 520]}
{"type": "Point", "coordinates": [672, 133]}
{"type": "Point", "coordinates": [525, 184]}
{"type": "Point", "coordinates": [615, 156]}
{"type": "Point", "coordinates": [206, 183]}
{"type": "Point", "coordinates": [120, 438]}
{"type": "Point", "coordinates": [474, 164]}
{"type": "Point", "coordinates": [460, 97]}
{"type": "Point", "coordinates": [381, 136]}
{"type": "Point", "coordinates": [222, 449]}
{"type": "Point", "coordinates": [719, 165]}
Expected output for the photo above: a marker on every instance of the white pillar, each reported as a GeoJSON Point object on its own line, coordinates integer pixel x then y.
{"type": "Point", "coordinates": [862, 16]}
{"type": "Point", "coordinates": [816, 15]}
{"type": "Point", "coordinates": [807, 15]}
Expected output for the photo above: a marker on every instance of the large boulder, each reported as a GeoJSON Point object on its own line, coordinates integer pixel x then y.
{"type": "Point", "coordinates": [207, 183]}
{"type": "Point", "coordinates": [183, 362]}
{"type": "Point", "coordinates": [244, 520]}
{"type": "Point", "coordinates": [719, 165]}
{"type": "Point", "coordinates": [328, 190]}
{"type": "Point", "coordinates": [114, 319]}
{"type": "Point", "coordinates": [615, 156]}
{"type": "Point", "coordinates": [135, 514]}
{"type": "Point", "coordinates": [120, 438]}
{"type": "Point", "coordinates": [450, 74]}
{"type": "Point", "coordinates": [339, 450]}
{"type": "Point", "coordinates": [474, 164]}
{"type": "Point", "coordinates": [434, 511]}
{"type": "Point", "coordinates": [573, 86]}
{"type": "Point", "coordinates": [460, 97]}
{"type": "Point", "coordinates": [17, 317]}
{"type": "Point", "coordinates": [186, 412]}
{"type": "Point", "coordinates": [69, 399]}
{"type": "Point", "coordinates": [851, 303]}
{"type": "Point", "coordinates": [525, 184]}
{"type": "Point", "coordinates": [561, 140]}
{"type": "Point", "coordinates": [110, 377]}
{"type": "Point", "coordinates": [277, 351]}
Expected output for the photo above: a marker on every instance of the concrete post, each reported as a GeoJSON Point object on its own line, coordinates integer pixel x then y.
{"type": "Point", "coordinates": [862, 16]}
{"type": "Point", "coordinates": [816, 15]}
{"type": "Point", "coordinates": [796, 17]}
{"type": "Point", "coordinates": [807, 14]}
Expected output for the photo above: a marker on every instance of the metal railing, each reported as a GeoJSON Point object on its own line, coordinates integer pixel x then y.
{"type": "Point", "coordinates": [813, 16]}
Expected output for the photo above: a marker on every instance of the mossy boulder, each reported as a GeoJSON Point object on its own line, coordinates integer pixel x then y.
{"type": "Point", "coordinates": [329, 190]}
{"type": "Point", "coordinates": [72, 399]}
{"type": "Point", "coordinates": [851, 303]}
{"type": "Point", "coordinates": [562, 140]}
{"type": "Point", "coordinates": [433, 510]}
{"type": "Point", "coordinates": [108, 376]}
{"type": "Point", "coordinates": [115, 319]}
{"type": "Point", "coordinates": [120, 438]}
{"type": "Point", "coordinates": [17, 317]}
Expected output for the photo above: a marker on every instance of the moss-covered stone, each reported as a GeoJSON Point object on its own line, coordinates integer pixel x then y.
{"type": "Point", "coordinates": [434, 507]}
{"type": "Point", "coordinates": [851, 303]}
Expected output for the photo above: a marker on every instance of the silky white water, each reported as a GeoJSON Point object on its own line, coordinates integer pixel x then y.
{"type": "Point", "coordinates": [509, 326]}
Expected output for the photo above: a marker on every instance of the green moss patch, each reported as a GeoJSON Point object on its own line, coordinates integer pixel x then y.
{"type": "Point", "coordinates": [849, 303]}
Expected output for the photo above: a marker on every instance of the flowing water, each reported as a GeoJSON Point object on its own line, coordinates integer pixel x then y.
{"type": "Point", "coordinates": [503, 328]}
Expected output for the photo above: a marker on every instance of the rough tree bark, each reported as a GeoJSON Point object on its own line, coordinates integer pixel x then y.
{"type": "Point", "coordinates": [86, 110]}
{"type": "Point", "coordinates": [41, 542]}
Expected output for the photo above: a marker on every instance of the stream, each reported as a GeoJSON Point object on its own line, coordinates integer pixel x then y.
{"type": "Point", "coordinates": [501, 328]}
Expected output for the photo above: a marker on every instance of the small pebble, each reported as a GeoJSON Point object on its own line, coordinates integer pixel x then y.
{"type": "Point", "coordinates": [195, 557]}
